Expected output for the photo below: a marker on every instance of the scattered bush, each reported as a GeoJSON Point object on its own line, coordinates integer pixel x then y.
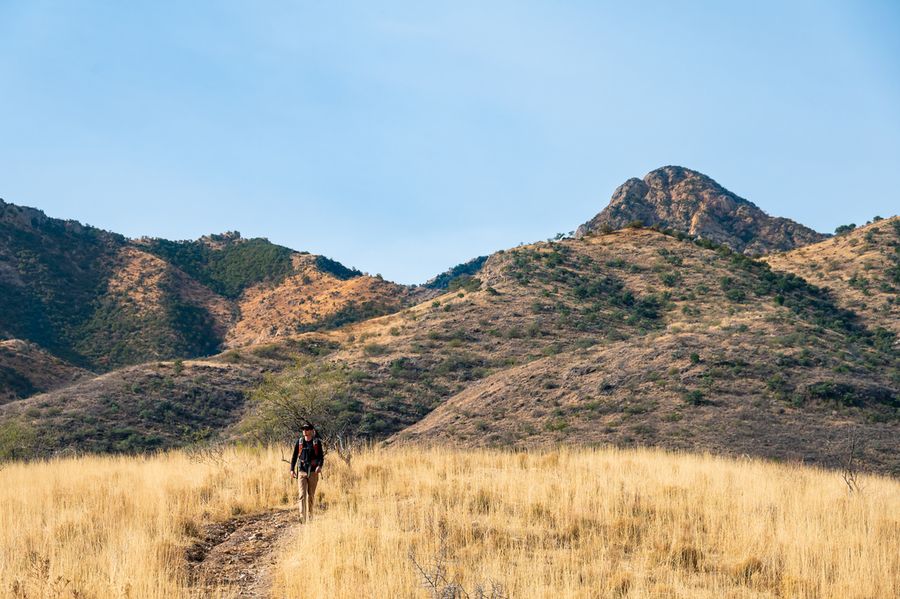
{"type": "Point", "coordinates": [844, 229]}
{"type": "Point", "coordinates": [375, 349]}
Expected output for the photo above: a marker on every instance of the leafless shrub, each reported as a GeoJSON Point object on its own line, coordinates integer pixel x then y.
{"type": "Point", "coordinates": [346, 445]}
{"type": "Point", "coordinates": [850, 472]}
{"type": "Point", "coordinates": [40, 582]}
{"type": "Point", "coordinates": [435, 576]}
{"type": "Point", "coordinates": [67, 453]}
{"type": "Point", "coordinates": [213, 453]}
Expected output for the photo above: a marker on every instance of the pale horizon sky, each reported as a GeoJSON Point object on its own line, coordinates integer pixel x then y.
{"type": "Point", "coordinates": [403, 138]}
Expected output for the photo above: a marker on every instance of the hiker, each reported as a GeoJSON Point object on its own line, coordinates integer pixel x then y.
{"type": "Point", "coordinates": [307, 461]}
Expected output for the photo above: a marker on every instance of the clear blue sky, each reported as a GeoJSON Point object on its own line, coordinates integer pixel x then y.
{"type": "Point", "coordinates": [405, 137]}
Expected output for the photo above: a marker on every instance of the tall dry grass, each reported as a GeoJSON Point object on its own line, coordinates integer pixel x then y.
{"type": "Point", "coordinates": [604, 523]}
{"type": "Point", "coordinates": [568, 523]}
{"type": "Point", "coordinates": [118, 526]}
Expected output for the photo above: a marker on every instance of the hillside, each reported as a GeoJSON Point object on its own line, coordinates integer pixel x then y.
{"type": "Point", "coordinates": [101, 301]}
{"type": "Point", "coordinates": [311, 298]}
{"type": "Point", "coordinates": [148, 406]}
{"type": "Point", "coordinates": [673, 197]}
{"type": "Point", "coordinates": [861, 268]}
{"type": "Point", "coordinates": [26, 369]}
{"type": "Point", "coordinates": [51, 274]}
{"type": "Point", "coordinates": [634, 337]}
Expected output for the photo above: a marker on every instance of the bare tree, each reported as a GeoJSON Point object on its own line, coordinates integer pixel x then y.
{"type": "Point", "coordinates": [850, 471]}
{"type": "Point", "coordinates": [346, 445]}
{"type": "Point", "coordinates": [213, 453]}
{"type": "Point", "coordinates": [309, 393]}
{"type": "Point", "coordinates": [435, 577]}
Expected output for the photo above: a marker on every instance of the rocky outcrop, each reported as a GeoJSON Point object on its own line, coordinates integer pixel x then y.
{"type": "Point", "coordinates": [677, 198]}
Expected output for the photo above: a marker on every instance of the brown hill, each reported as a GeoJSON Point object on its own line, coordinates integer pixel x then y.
{"type": "Point", "coordinates": [861, 268]}
{"type": "Point", "coordinates": [100, 301]}
{"type": "Point", "coordinates": [26, 369]}
{"type": "Point", "coordinates": [628, 337]}
{"type": "Point", "coordinates": [673, 197]}
{"type": "Point", "coordinates": [631, 394]}
{"type": "Point", "coordinates": [633, 337]}
{"type": "Point", "coordinates": [310, 298]}
{"type": "Point", "coordinates": [144, 407]}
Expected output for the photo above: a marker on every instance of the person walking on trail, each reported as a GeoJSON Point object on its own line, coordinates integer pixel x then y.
{"type": "Point", "coordinates": [306, 463]}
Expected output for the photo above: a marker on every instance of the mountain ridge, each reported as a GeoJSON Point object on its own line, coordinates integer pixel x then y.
{"type": "Point", "coordinates": [99, 300]}
{"type": "Point", "coordinates": [641, 335]}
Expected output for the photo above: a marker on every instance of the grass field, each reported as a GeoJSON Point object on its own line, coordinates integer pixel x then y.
{"type": "Point", "coordinates": [567, 523]}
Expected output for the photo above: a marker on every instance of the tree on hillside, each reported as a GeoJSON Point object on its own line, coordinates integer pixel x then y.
{"type": "Point", "coordinates": [310, 392]}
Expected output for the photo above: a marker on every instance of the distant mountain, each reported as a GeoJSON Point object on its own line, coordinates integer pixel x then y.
{"type": "Point", "coordinates": [635, 336]}
{"type": "Point", "coordinates": [99, 301]}
{"type": "Point", "coordinates": [673, 197]}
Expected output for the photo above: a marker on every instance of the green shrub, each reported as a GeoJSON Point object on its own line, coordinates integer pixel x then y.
{"type": "Point", "coordinates": [375, 349]}
{"type": "Point", "coordinates": [465, 282]}
{"type": "Point", "coordinates": [693, 397]}
{"type": "Point", "coordinates": [232, 356]}
{"type": "Point", "coordinates": [18, 440]}
{"type": "Point", "coordinates": [557, 424]}
{"type": "Point", "coordinates": [669, 279]}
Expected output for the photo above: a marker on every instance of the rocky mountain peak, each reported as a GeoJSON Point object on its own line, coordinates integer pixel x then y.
{"type": "Point", "coordinates": [685, 200]}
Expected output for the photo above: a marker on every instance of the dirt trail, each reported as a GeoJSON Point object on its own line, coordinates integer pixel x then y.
{"type": "Point", "coordinates": [235, 558]}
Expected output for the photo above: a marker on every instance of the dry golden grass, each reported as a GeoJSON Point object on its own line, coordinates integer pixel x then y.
{"type": "Point", "coordinates": [568, 523]}
{"type": "Point", "coordinates": [604, 523]}
{"type": "Point", "coordinates": [118, 526]}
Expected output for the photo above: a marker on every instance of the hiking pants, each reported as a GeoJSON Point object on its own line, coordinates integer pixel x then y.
{"type": "Point", "coordinates": [307, 483]}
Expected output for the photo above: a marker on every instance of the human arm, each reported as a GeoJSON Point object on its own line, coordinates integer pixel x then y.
{"type": "Point", "coordinates": [321, 457]}
{"type": "Point", "coordinates": [294, 457]}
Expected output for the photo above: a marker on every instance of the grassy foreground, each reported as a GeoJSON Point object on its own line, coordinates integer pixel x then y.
{"type": "Point", "coordinates": [569, 523]}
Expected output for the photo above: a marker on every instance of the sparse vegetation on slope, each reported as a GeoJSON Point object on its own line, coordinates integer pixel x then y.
{"type": "Point", "coordinates": [469, 269]}
{"type": "Point", "coordinates": [100, 301]}
{"type": "Point", "coordinates": [26, 369]}
{"type": "Point", "coordinates": [151, 406]}
{"type": "Point", "coordinates": [228, 267]}
{"type": "Point", "coordinates": [51, 272]}
{"type": "Point", "coordinates": [861, 267]}
{"type": "Point", "coordinates": [628, 338]}
{"type": "Point", "coordinates": [72, 290]}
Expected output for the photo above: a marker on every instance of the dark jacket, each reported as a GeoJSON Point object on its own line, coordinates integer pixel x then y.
{"type": "Point", "coordinates": [308, 455]}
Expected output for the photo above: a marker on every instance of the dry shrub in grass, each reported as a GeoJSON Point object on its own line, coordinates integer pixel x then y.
{"type": "Point", "coordinates": [434, 578]}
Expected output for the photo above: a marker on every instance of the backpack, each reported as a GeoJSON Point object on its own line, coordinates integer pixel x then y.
{"type": "Point", "coordinates": [318, 452]}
